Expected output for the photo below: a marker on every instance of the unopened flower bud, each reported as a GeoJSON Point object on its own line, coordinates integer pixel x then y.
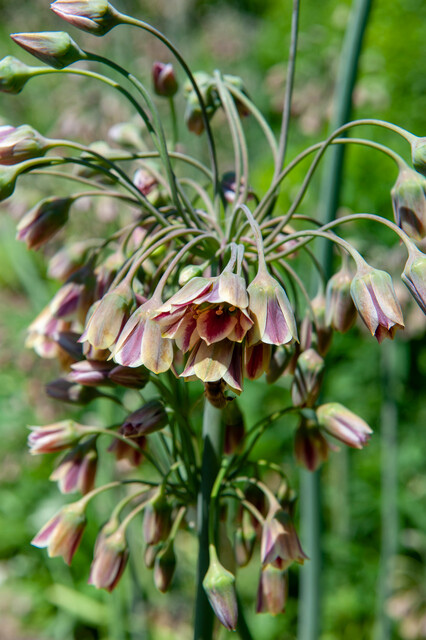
{"type": "Point", "coordinates": [14, 74]}
{"type": "Point", "coordinates": [127, 377]}
{"type": "Point", "coordinates": [340, 311]}
{"type": "Point", "coordinates": [307, 379]}
{"type": "Point", "coordinates": [219, 585]}
{"type": "Point", "coordinates": [126, 134]}
{"type": "Point", "coordinates": [150, 554]}
{"type": "Point", "coordinates": [409, 203]}
{"type": "Point", "coordinates": [62, 534]}
{"type": "Point", "coordinates": [145, 181]}
{"type": "Point", "coordinates": [77, 471]}
{"type": "Point", "coordinates": [164, 568]}
{"type": "Point", "coordinates": [123, 451]}
{"type": "Point", "coordinates": [164, 79]}
{"type": "Point", "coordinates": [91, 373]}
{"type": "Point", "coordinates": [374, 297]}
{"type": "Point", "coordinates": [234, 427]}
{"type": "Point", "coordinates": [157, 521]}
{"type": "Point", "coordinates": [323, 334]}
{"type": "Point", "coordinates": [55, 437]}
{"type": "Point", "coordinates": [193, 113]}
{"type": "Point", "coordinates": [414, 276]}
{"type": "Point", "coordinates": [418, 154]}
{"type": "Point", "coordinates": [149, 418]}
{"type": "Point", "coordinates": [109, 561]}
{"type": "Point", "coordinates": [271, 592]}
{"type": "Point", "coordinates": [55, 48]}
{"type": "Point", "coordinates": [68, 391]}
{"type": "Point", "coordinates": [343, 424]}
{"type": "Point", "coordinates": [20, 143]}
{"type": "Point", "coordinates": [310, 446]}
{"type": "Point", "coordinates": [44, 220]}
{"type": "Point", "coordinates": [8, 177]}
{"type": "Point", "coordinates": [95, 16]}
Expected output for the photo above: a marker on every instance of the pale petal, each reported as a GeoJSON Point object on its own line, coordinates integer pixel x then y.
{"type": "Point", "coordinates": [212, 361]}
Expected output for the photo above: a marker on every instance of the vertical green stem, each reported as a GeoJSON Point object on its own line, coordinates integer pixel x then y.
{"type": "Point", "coordinates": [389, 484]}
{"type": "Point", "coordinates": [309, 602]}
{"type": "Point", "coordinates": [212, 452]}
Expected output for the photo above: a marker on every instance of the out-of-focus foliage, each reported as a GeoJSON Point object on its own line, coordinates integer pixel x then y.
{"type": "Point", "coordinates": [248, 38]}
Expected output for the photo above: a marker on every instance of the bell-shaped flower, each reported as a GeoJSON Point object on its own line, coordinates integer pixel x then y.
{"type": "Point", "coordinates": [409, 203]}
{"type": "Point", "coordinates": [109, 561]}
{"type": "Point", "coordinates": [20, 143]}
{"type": "Point", "coordinates": [109, 316]}
{"type": "Point", "coordinates": [414, 276]}
{"type": "Point", "coordinates": [55, 48]}
{"type": "Point", "coordinates": [91, 373]}
{"type": "Point", "coordinates": [220, 360]}
{"type": "Point", "coordinates": [343, 424]}
{"type": "Point", "coordinates": [141, 343]}
{"type": "Point", "coordinates": [55, 437]}
{"type": "Point", "coordinates": [62, 534]}
{"type": "Point", "coordinates": [43, 221]}
{"type": "Point", "coordinates": [77, 471]}
{"type": "Point", "coordinates": [219, 585]}
{"type": "Point", "coordinates": [157, 520]}
{"type": "Point", "coordinates": [374, 297]}
{"type": "Point", "coordinates": [95, 16]}
{"type": "Point", "coordinates": [274, 317]}
{"type": "Point", "coordinates": [340, 312]}
{"type": "Point", "coordinates": [280, 545]}
{"type": "Point", "coordinates": [272, 590]}
{"type": "Point", "coordinates": [310, 447]}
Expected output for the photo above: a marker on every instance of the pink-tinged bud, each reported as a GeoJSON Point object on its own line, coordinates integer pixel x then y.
{"type": "Point", "coordinates": [272, 590]}
{"type": "Point", "coordinates": [8, 177]}
{"type": "Point", "coordinates": [14, 74]}
{"type": "Point", "coordinates": [374, 297]}
{"type": "Point", "coordinates": [418, 154]}
{"type": "Point", "coordinates": [43, 334]}
{"type": "Point", "coordinates": [310, 446]}
{"type": "Point", "coordinates": [74, 298]}
{"type": "Point", "coordinates": [20, 143]}
{"type": "Point", "coordinates": [131, 378]}
{"type": "Point", "coordinates": [77, 471]}
{"type": "Point", "coordinates": [344, 425]}
{"type": "Point", "coordinates": [164, 568]}
{"type": "Point", "coordinates": [409, 203]}
{"type": "Point", "coordinates": [55, 437]}
{"type": "Point", "coordinates": [44, 220]}
{"type": "Point", "coordinates": [106, 322]}
{"type": "Point", "coordinates": [62, 534]}
{"type": "Point", "coordinates": [95, 16]}
{"type": "Point", "coordinates": [91, 373]}
{"type": "Point", "coordinates": [307, 379]}
{"type": "Point", "coordinates": [164, 79]}
{"type": "Point", "coordinates": [274, 317]}
{"type": "Point", "coordinates": [414, 276]}
{"type": "Point", "coordinates": [55, 48]}
{"type": "Point", "coordinates": [157, 521]}
{"type": "Point", "coordinates": [340, 311]}
{"type": "Point", "coordinates": [149, 418]}
{"type": "Point", "coordinates": [69, 259]}
{"type": "Point", "coordinates": [109, 560]}
{"type": "Point", "coordinates": [66, 391]}
{"type": "Point", "coordinates": [280, 544]}
{"type": "Point", "coordinates": [147, 183]}
{"type": "Point", "coordinates": [234, 427]}
{"type": "Point", "coordinates": [219, 585]}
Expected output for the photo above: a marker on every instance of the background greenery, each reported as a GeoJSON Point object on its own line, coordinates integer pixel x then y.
{"type": "Point", "coordinates": [42, 599]}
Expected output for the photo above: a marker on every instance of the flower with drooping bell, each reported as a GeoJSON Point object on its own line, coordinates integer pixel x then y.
{"type": "Point", "coordinates": [109, 316]}
{"type": "Point", "coordinates": [164, 79]}
{"type": "Point", "coordinates": [95, 16]}
{"type": "Point", "coordinates": [310, 447]}
{"type": "Point", "coordinates": [414, 276]}
{"type": "Point", "coordinates": [409, 202]}
{"type": "Point", "coordinates": [375, 299]}
{"type": "Point", "coordinates": [343, 424]}
{"type": "Point", "coordinates": [149, 418]}
{"type": "Point", "coordinates": [77, 471]}
{"type": "Point", "coordinates": [14, 74]}
{"type": "Point", "coordinates": [272, 590]}
{"type": "Point", "coordinates": [55, 437]}
{"type": "Point", "coordinates": [280, 545]}
{"type": "Point", "coordinates": [62, 534]}
{"type": "Point", "coordinates": [340, 311]}
{"type": "Point", "coordinates": [219, 585]}
{"type": "Point", "coordinates": [20, 143]}
{"type": "Point", "coordinates": [109, 561]}
{"type": "Point", "coordinates": [43, 221]}
{"type": "Point", "coordinates": [55, 48]}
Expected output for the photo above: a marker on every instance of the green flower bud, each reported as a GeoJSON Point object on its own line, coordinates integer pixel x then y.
{"type": "Point", "coordinates": [8, 178]}
{"type": "Point", "coordinates": [307, 379]}
{"type": "Point", "coordinates": [55, 48]}
{"type": "Point", "coordinates": [14, 74]}
{"type": "Point", "coordinates": [95, 16]}
{"type": "Point", "coordinates": [219, 585]}
{"type": "Point", "coordinates": [20, 143]}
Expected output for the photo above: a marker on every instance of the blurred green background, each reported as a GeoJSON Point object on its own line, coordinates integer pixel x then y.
{"type": "Point", "coordinates": [373, 501]}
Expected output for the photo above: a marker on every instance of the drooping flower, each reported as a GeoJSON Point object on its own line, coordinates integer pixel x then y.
{"type": "Point", "coordinates": [62, 534]}
{"type": "Point", "coordinates": [55, 437]}
{"type": "Point", "coordinates": [219, 585]}
{"type": "Point", "coordinates": [95, 16]}
{"type": "Point", "coordinates": [272, 590]}
{"type": "Point", "coordinates": [77, 471]}
{"type": "Point", "coordinates": [44, 220]}
{"type": "Point", "coordinates": [164, 568]}
{"type": "Point", "coordinates": [109, 316]}
{"type": "Point", "coordinates": [343, 424]}
{"type": "Point", "coordinates": [164, 79]}
{"type": "Point", "coordinates": [374, 297]}
{"type": "Point", "coordinates": [307, 379]}
{"type": "Point", "coordinates": [409, 202]}
{"type": "Point", "coordinates": [340, 312]}
{"type": "Point", "coordinates": [414, 276]}
{"type": "Point", "coordinates": [310, 447]}
{"type": "Point", "coordinates": [280, 545]}
{"type": "Point", "coordinates": [109, 561]}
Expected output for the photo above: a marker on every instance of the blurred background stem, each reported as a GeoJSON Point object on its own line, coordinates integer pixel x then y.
{"type": "Point", "coordinates": [309, 623]}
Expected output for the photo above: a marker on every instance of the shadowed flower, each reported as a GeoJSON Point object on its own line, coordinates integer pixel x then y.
{"type": "Point", "coordinates": [109, 561]}
{"type": "Point", "coordinates": [65, 391]}
{"type": "Point", "coordinates": [43, 334]}
{"type": "Point", "coordinates": [343, 424]}
{"type": "Point", "coordinates": [414, 276]}
{"type": "Point", "coordinates": [44, 220]}
{"type": "Point", "coordinates": [280, 544]}
{"type": "Point", "coordinates": [271, 592]}
{"type": "Point", "coordinates": [55, 437]}
{"type": "Point", "coordinates": [340, 313]}
{"type": "Point", "coordinates": [310, 447]}
{"type": "Point", "coordinates": [374, 297]}
{"type": "Point", "coordinates": [164, 79]}
{"type": "Point", "coordinates": [409, 203]}
{"type": "Point", "coordinates": [211, 363]}
{"type": "Point", "coordinates": [55, 48]}
{"type": "Point", "coordinates": [62, 534]}
{"type": "Point", "coordinates": [77, 471]}
{"type": "Point", "coordinates": [164, 568]}
{"type": "Point", "coordinates": [307, 379]}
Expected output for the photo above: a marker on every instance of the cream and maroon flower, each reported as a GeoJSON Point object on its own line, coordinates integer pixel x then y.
{"type": "Point", "coordinates": [220, 360]}
{"type": "Point", "coordinates": [280, 545]}
{"type": "Point", "coordinates": [62, 534]}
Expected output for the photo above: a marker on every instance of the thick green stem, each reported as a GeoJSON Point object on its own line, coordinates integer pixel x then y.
{"type": "Point", "coordinates": [309, 603]}
{"type": "Point", "coordinates": [212, 453]}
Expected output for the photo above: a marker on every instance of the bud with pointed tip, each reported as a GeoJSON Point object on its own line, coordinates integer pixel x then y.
{"type": "Point", "coordinates": [271, 592]}
{"type": "Point", "coordinates": [374, 297]}
{"type": "Point", "coordinates": [149, 418]}
{"type": "Point", "coordinates": [307, 379]}
{"type": "Point", "coordinates": [150, 554]}
{"type": "Point", "coordinates": [340, 311]}
{"type": "Point", "coordinates": [14, 74]}
{"type": "Point", "coordinates": [106, 322]}
{"type": "Point", "coordinates": [409, 202]}
{"type": "Point", "coordinates": [164, 79]}
{"type": "Point", "coordinates": [68, 391]}
{"type": "Point", "coordinates": [310, 447]}
{"type": "Point", "coordinates": [156, 521]}
{"type": "Point", "coordinates": [77, 471]}
{"type": "Point", "coordinates": [62, 534]}
{"type": "Point", "coordinates": [279, 361]}
{"type": "Point", "coordinates": [109, 560]}
{"type": "Point", "coordinates": [414, 276]}
{"type": "Point", "coordinates": [55, 437]}
{"type": "Point", "coordinates": [43, 221]}
{"type": "Point", "coordinates": [164, 568]}
{"type": "Point", "coordinates": [418, 154]}
{"type": "Point", "coordinates": [20, 143]}
{"type": "Point", "coordinates": [343, 424]}
{"type": "Point", "coordinates": [95, 16]}
{"type": "Point", "coordinates": [55, 48]}
{"type": "Point", "coordinates": [91, 373]}
{"type": "Point", "coordinates": [219, 585]}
